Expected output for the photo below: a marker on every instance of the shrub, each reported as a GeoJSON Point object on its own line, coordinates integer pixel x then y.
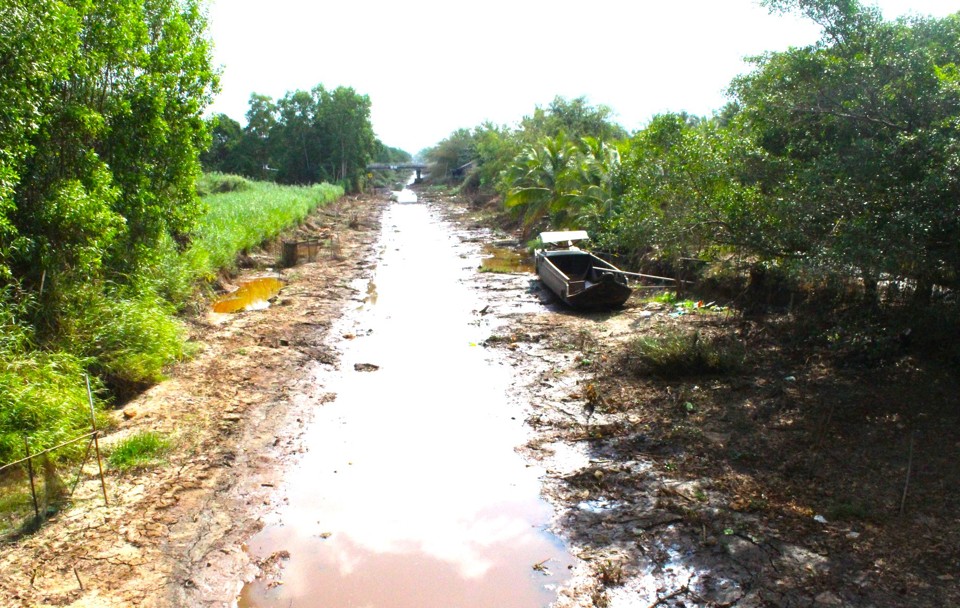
{"type": "Point", "coordinates": [679, 353]}
{"type": "Point", "coordinates": [216, 183]}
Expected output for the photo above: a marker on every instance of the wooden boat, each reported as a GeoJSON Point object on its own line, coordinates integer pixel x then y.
{"type": "Point", "coordinates": [579, 278]}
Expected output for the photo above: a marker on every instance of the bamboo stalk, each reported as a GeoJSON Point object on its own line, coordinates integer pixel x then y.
{"type": "Point", "coordinates": [96, 441]}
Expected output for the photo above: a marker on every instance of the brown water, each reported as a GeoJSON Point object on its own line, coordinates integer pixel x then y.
{"type": "Point", "coordinates": [250, 295]}
{"type": "Point", "coordinates": [503, 259]}
{"type": "Point", "coordinates": [411, 494]}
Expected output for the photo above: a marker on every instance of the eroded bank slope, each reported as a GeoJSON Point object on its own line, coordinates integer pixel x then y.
{"type": "Point", "coordinates": [172, 534]}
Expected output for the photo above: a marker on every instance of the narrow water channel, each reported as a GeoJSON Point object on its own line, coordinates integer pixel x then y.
{"type": "Point", "coordinates": [411, 493]}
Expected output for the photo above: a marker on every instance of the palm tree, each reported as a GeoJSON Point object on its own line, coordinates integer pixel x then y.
{"type": "Point", "coordinates": [539, 180]}
{"type": "Point", "coordinates": [597, 179]}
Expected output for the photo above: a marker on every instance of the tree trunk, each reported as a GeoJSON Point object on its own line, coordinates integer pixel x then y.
{"type": "Point", "coordinates": [923, 292]}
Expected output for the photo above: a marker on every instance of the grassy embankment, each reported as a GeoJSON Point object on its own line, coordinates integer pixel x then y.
{"type": "Point", "coordinates": [124, 336]}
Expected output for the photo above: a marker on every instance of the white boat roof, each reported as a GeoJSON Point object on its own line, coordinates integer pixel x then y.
{"type": "Point", "coordinates": [565, 236]}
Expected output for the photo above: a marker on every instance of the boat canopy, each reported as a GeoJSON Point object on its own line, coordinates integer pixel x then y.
{"type": "Point", "coordinates": [564, 237]}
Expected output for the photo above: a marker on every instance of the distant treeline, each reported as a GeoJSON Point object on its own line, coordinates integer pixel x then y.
{"type": "Point", "coordinates": [304, 138]}
{"type": "Point", "coordinates": [837, 161]}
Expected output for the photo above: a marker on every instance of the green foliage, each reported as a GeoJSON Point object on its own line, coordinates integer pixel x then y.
{"type": "Point", "coordinates": [683, 192]}
{"type": "Point", "coordinates": [494, 152]}
{"type": "Point", "coordinates": [306, 137]}
{"type": "Point", "coordinates": [240, 220]}
{"type": "Point", "coordinates": [127, 337]}
{"type": "Point", "coordinates": [678, 353]}
{"type": "Point", "coordinates": [43, 397]}
{"type": "Point", "coordinates": [223, 154]}
{"type": "Point", "coordinates": [138, 451]}
{"type": "Point", "coordinates": [458, 149]}
{"type": "Point", "coordinates": [574, 119]}
{"type": "Point", "coordinates": [572, 185]}
{"type": "Point", "coordinates": [218, 183]}
{"type": "Point", "coordinates": [860, 139]}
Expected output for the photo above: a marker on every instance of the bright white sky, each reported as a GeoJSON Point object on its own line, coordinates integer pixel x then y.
{"type": "Point", "coordinates": [431, 67]}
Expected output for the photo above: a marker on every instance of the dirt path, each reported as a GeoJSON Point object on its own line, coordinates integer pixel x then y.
{"type": "Point", "coordinates": [770, 486]}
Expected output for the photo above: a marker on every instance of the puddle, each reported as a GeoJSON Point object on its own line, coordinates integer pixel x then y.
{"type": "Point", "coordinates": [404, 196]}
{"type": "Point", "coordinates": [502, 259]}
{"type": "Point", "coordinates": [411, 493]}
{"type": "Point", "coordinates": [254, 294]}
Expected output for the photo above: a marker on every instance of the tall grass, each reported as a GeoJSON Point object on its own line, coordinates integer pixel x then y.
{"type": "Point", "coordinates": [42, 394]}
{"type": "Point", "coordinates": [127, 337]}
{"type": "Point", "coordinates": [241, 219]}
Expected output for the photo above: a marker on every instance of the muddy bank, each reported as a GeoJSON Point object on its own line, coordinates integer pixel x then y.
{"type": "Point", "coordinates": [788, 478]}
{"type": "Point", "coordinates": [173, 534]}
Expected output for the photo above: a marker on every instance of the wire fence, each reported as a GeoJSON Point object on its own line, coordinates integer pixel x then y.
{"type": "Point", "coordinates": [46, 489]}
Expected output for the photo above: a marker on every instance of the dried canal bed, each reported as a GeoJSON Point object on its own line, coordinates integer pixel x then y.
{"type": "Point", "coordinates": [411, 493]}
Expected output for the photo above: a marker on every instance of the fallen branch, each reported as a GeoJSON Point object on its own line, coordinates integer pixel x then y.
{"type": "Point", "coordinates": [678, 592]}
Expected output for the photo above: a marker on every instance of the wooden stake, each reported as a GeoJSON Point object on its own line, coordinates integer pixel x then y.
{"type": "Point", "coordinates": [288, 258]}
{"type": "Point", "coordinates": [96, 441]}
{"type": "Point", "coordinates": [906, 483]}
{"type": "Point", "coordinates": [33, 489]}
{"type": "Point", "coordinates": [77, 574]}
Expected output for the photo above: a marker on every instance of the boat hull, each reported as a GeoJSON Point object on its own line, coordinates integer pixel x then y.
{"type": "Point", "coordinates": [582, 280]}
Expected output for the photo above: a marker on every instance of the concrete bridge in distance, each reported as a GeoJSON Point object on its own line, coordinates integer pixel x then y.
{"type": "Point", "coordinates": [411, 166]}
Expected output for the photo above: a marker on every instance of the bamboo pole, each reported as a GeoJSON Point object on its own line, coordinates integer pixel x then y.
{"type": "Point", "coordinates": [637, 274]}
{"type": "Point", "coordinates": [33, 489]}
{"type": "Point", "coordinates": [96, 441]}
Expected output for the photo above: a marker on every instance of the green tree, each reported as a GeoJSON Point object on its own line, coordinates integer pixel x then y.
{"type": "Point", "coordinates": [225, 136]}
{"type": "Point", "coordinates": [458, 149]}
{"type": "Point", "coordinates": [860, 134]}
{"type": "Point", "coordinates": [256, 148]}
{"type": "Point", "coordinates": [574, 118]}
{"type": "Point", "coordinates": [684, 192]}
{"type": "Point", "coordinates": [349, 141]}
{"type": "Point", "coordinates": [112, 165]}
{"type": "Point", "coordinates": [296, 139]}
{"type": "Point", "coordinates": [308, 137]}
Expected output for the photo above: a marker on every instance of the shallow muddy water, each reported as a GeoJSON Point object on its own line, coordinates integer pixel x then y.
{"type": "Point", "coordinates": [411, 493]}
{"type": "Point", "coordinates": [254, 294]}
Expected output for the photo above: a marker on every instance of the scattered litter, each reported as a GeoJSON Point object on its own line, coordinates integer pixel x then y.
{"type": "Point", "coordinates": [542, 567]}
{"type": "Point", "coordinates": [365, 367]}
{"type": "Point", "coordinates": [790, 379]}
{"type": "Point", "coordinates": [598, 505]}
{"type": "Point", "coordinates": [820, 519]}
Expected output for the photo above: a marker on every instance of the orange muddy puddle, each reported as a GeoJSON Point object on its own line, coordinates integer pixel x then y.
{"type": "Point", "coordinates": [411, 494]}
{"type": "Point", "coordinates": [251, 295]}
